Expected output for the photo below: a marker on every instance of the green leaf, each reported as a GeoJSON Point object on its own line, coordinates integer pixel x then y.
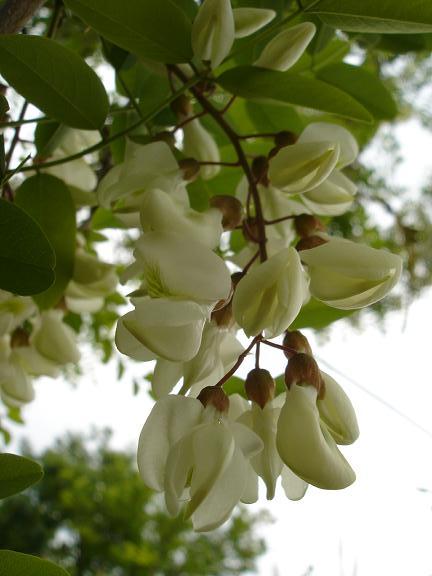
{"type": "Point", "coordinates": [48, 200]}
{"type": "Point", "coordinates": [155, 29]}
{"type": "Point", "coordinates": [26, 256]}
{"type": "Point", "coordinates": [274, 117]}
{"type": "Point", "coordinates": [235, 385]}
{"type": "Point", "coordinates": [18, 564]}
{"type": "Point", "coordinates": [317, 315]}
{"type": "Point", "coordinates": [16, 474]}
{"type": "Point", "coordinates": [385, 16]}
{"type": "Point", "coordinates": [252, 82]}
{"type": "Point", "coordinates": [54, 79]}
{"type": "Point", "coordinates": [362, 85]}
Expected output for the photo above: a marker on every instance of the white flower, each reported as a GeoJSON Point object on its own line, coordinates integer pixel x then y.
{"type": "Point", "coordinates": [92, 281]}
{"type": "Point", "coordinates": [76, 173]}
{"type": "Point", "coordinates": [198, 455]}
{"type": "Point", "coordinates": [198, 143]}
{"type": "Point", "coordinates": [54, 339]}
{"type": "Point", "coordinates": [347, 275]}
{"type": "Point", "coordinates": [213, 31]}
{"type": "Point", "coordinates": [159, 212]}
{"type": "Point", "coordinates": [337, 412]}
{"type": "Point", "coordinates": [249, 20]}
{"type": "Point", "coordinates": [271, 294]}
{"type": "Point", "coordinates": [182, 281]}
{"type": "Point", "coordinates": [305, 443]}
{"type": "Point", "coordinates": [287, 47]}
{"type": "Point", "coordinates": [335, 195]}
{"type": "Point", "coordinates": [16, 387]}
{"type": "Point", "coordinates": [14, 310]}
{"type": "Point", "coordinates": [144, 168]}
{"type": "Point", "coordinates": [303, 166]}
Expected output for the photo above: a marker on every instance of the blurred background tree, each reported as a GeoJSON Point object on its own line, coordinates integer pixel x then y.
{"type": "Point", "coordinates": [93, 515]}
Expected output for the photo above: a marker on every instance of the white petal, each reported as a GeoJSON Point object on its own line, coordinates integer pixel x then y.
{"type": "Point", "coordinates": [34, 363]}
{"type": "Point", "coordinates": [246, 439]}
{"type": "Point", "coordinates": [200, 144]}
{"type": "Point", "coordinates": [213, 31]}
{"type": "Point", "coordinates": [337, 412]}
{"type": "Point", "coordinates": [331, 198]}
{"type": "Point", "coordinates": [225, 494]}
{"type": "Point", "coordinates": [249, 20]}
{"type": "Point", "coordinates": [213, 449]}
{"type": "Point", "coordinates": [294, 487]}
{"type": "Point", "coordinates": [178, 468]}
{"type": "Point", "coordinates": [323, 131]}
{"type": "Point", "coordinates": [306, 446]}
{"type": "Point", "coordinates": [165, 376]}
{"type": "Point", "coordinates": [127, 344]}
{"type": "Point", "coordinates": [287, 47]}
{"type": "Point", "coordinates": [54, 339]}
{"type": "Point", "coordinates": [171, 418]}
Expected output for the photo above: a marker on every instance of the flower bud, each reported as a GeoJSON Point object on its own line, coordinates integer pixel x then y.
{"type": "Point", "coordinates": [182, 106]}
{"type": "Point", "coordinates": [297, 344]}
{"type": "Point", "coordinates": [260, 386]}
{"type": "Point", "coordinates": [214, 396]}
{"type": "Point", "coordinates": [260, 168]}
{"type": "Point", "coordinates": [303, 371]}
{"type": "Point", "coordinates": [286, 48]}
{"type": "Point", "coordinates": [231, 208]}
{"type": "Point", "coordinates": [213, 31]}
{"type": "Point", "coordinates": [307, 225]}
{"type": "Point", "coordinates": [190, 168]}
{"type": "Point", "coordinates": [284, 138]}
{"type": "Point", "coordinates": [310, 242]}
{"type": "Point", "coordinates": [249, 20]}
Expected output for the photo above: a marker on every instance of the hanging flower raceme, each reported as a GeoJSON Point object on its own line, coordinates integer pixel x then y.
{"type": "Point", "coordinates": [92, 281]}
{"type": "Point", "coordinates": [347, 275]}
{"type": "Point", "coordinates": [190, 450]}
{"type": "Point", "coordinates": [182, 281]}
{"type": "Point", "coordinates": [269, 297]}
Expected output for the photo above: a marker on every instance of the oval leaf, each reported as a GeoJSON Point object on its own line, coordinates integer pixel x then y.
{"type": "Point", "coordinates": [54, 79]}
{"type": "Point", "coordinates": [26, 257]}
{"type": "Point", "coordinates": [384, 16]}
{"type": "Point", "coordinates": [18, 564]}
{"type": "Point", "coordinates": [252, 82]}
{"type": "Point", "coordinates": [17, 473]}
{"type": "Point", "coordinates": [155, 29]}
{"type": "Point", "coordinates": [48, 201]}
{"type": "Point", "coordinates": [363, 86]}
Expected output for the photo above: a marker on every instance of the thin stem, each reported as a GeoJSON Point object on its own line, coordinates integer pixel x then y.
{"type": "Point", "coordinates": [279, 346]}
{"type": "Point", "coordinates": [233, 137]}
{"type": "Point", "coordinates": [187, 120]}
{"type": "Point", "coordinates": [211, 163]}
{"type": "Point", "coordinates": [257, 135]}
{"type": "Point", "coordinates": [103, 143]}
{"type": "Point", "coordinates": [249, 264]}
{"type": "Point", "coordinates": [257, 354]}
{"type": "Point", "coordinates": [228, 104]}
{"type": "Point", "coordinates": [239, 361]}
{"type": "Point", "coordinates": [131, 97]}
{"type": "Point", "coordinates": [15, 138]}
{"type": "Point", "coordinates": [281, 219]}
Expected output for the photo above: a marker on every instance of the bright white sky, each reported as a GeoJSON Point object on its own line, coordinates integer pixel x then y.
{"type": "Point", "coordinates": [381, 525]}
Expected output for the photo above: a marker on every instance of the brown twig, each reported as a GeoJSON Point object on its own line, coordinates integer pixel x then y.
{"type": "Point", "coordinates": [239, 361]}
{"type": "Point", "coordinates": [15, 13]}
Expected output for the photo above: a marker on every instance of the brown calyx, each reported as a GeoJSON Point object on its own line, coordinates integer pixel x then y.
{"type": "Point", "coordinates": [303, 370]}
{"type": "Point", "coordinates": [307, 225]}
{"type": "Point", "coordinates": [231, 208]}
{"type": "Point", "coordinates": [190, 168]}
{"type": "Point", "coordinates": [260, 386]}
{"type": "Point", "coordinates": [310, 242]}
{"type": "Point", "coordinates": [260, 166]}
{"type": "Point", "coordinates": [214, 396]}
{"type": "Point", "coordinates": [19, 338]}
{"type": "Point", "coordinates": [296, 343]}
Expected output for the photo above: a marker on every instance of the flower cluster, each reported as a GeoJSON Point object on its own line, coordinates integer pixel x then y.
{"type": "Point", "coordinates": [204, 449]}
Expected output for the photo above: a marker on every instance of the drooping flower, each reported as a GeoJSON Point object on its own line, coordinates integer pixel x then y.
{"type": "Point", "coordinates": [213, 31]}
{"type": "Point", "coordinates": [196, 454]}
{"type": "Point", "coordinates": [271, 294]}
{"type": "Point", "coordinates": [14, 310]}
{"type": "Point", "coordinates": [347, 275]}
{"type": "Point", "coordinates": [16, 388]}
{"type": "Point", "coordinates": [53, 339]}
{"type": "Point", "coordinates": [287, 47]}
{"type": "Point", "coordinates": [304, 441]}
{"type": "Point", "coordinates": [182, 281]}
{"type": "Point", "coordinates": [159, 212]}
{"type": "Point", "coordinates": [144, 168]}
